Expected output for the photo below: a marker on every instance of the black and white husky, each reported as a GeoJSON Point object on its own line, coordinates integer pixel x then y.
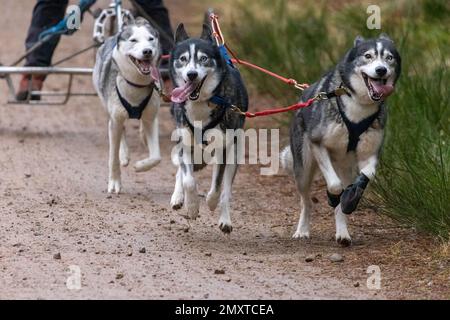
{"type": "Point", "coordinates": [126, 78]}
{"type": "Point", "coordinates": [206, 87]}
{"type": "Point", "coordinates": [342, 136]}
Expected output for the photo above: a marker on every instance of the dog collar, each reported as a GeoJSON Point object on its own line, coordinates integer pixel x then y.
{"type": "Point", "coordinates": [138, 85]}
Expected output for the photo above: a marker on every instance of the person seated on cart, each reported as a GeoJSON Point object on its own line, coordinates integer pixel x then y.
{"type": "Point", "coordinates": [47, 13]}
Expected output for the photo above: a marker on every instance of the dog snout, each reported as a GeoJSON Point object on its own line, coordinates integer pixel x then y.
{"type": "Point", "coordinates": [147, 52]}
{"type": "Point", "coordinates": [192, 75]}
{"type": "Point", "coordinates": [381, 71]}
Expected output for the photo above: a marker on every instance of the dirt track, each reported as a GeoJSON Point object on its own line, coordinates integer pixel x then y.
{"type": "Point", "coordinates": [53, 200]}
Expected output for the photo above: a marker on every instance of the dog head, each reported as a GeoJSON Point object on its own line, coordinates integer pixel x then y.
{"type": "Point", "coordinates": [371, 68]}
{"type": "Point", "coordinates": [196, 66]}
{"type": "Point", "coordinates": [138, 50]}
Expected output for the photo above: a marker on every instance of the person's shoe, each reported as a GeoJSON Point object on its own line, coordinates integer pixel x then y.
{"type": "Point", "coordinates": [37, 83]}
{"type": "Point", "coordinates": [22, 94]}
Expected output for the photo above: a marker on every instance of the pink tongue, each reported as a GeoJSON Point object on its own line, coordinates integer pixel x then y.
{"type": "Point", "coordinates": [181, 94]}
{"type": "Point", "coordinates": [154, 74]}
{"type": "Point", "coordinates": [382, 89]}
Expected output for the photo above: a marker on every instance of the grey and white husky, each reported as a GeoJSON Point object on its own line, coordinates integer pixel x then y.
{"type": "Point", "coordinates": [126, 78]}
{"type": "Point", "coordinates": [343, 135]}
{"type": "Point", "coordinates": [206, 87]}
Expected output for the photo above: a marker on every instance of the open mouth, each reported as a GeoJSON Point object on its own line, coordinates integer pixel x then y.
{"type": "Point", "coordinates": [187, 91]}
{"type": "Point", "coordinates": [196, 93]}
{"type": "Point", "coordinates": [144, 66]}
{"type": "Point", "coordinates": [377, 88]}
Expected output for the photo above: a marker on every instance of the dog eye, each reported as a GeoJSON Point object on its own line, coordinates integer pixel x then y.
{"type": "Point", "coordinates": [368, 56]}
{"type": "Point", "coordinates": [389, 58]}
{"type": "Point", "coordinates": [183, 59]}
{"type": "Point", "coordinates": [133, 40]}
{"type": "Point", "coordinates": [203, 59]}
{"type": "Point", "coordinates": [151, 39]}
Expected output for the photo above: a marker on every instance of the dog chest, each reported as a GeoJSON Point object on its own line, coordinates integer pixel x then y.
{"type": "Point", "coordinates": [198, 112]}
{"type": "Point", "coordinates": [336, 140]}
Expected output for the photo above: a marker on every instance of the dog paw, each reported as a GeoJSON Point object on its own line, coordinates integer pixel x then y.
{"type": "Point", "coordinates": [146, 164]}
{"type": "Point", "coordinates": [301, 235]}
{"type": "Point", "coordinates": [225, 228]}
{"type": "Point", "coordinates": [343, 238]}
{"type": "Point", "coordinates": [192, 211]}
{"type": "Point", "coordinates": [350, 198]}
{"type": "Point", "coordinates": [353, 193]}
{"type": "Point", "coordinates": [212, 200]}
{"type": "Point", "coordinates": [176, 202]}
{"type": "Point", "coordinates": [344, 242]}
{"type": "Point", "coordinates": [114, 186]}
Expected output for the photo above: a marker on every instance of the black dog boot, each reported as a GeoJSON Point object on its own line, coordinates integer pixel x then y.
{"type": "Point", "coordinates": [353, 193]}
{"type": "Point", "coordinates": [333, 199]}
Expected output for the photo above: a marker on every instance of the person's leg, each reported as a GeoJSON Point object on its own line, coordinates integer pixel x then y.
{"type": "Point", "coordinates": [46, 13]}
{"type": "Point", "coordinates": [160, 16]}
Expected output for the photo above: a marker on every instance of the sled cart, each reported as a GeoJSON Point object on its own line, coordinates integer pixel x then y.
{"type": "Point", "coordinates": [107, 22]}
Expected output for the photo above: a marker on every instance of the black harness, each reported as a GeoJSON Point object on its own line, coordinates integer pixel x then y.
{"type": "Point", "coordinates": [223, 106]}
{"type": "Point", "coordinates": [135, 112]}
{"type": "Point", "coordinates": [355, 130]}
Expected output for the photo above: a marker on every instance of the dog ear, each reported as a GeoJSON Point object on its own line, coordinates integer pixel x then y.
{"type": "Point", "coordinates": [181, 34]}
{"type": "Point", "coordinates": [125, 34]}
{"type": "Point", "coordinates": [130, 21]}
{"type": "Point", "coordinates": [207, 33]}
{"type": "Point", "coordinates": [384, 36]}
{"type": "Point", "coordinates": [358, 41]}
{"type": "Point", "coordinates": [141, 21]}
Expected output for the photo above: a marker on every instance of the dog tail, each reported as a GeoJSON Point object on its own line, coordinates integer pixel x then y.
{"type": "Point", "coordinates": [287, 160]}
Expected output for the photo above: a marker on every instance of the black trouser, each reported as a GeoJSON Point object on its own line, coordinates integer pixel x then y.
{"type": "Point", "coordinates": [47, 13]}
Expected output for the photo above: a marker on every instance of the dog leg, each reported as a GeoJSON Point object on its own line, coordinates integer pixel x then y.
{"type": "Point", "coordinates": [369, 166]}
{"type": "Point", "coordinates": [191, 200]}
{"type": "Point", "coordinates": [176, 202]}
{"type": "Point", "coordinates": [225, 198]}
{"type": "Point", "coordinates": [352, 194]}
{"type": "Point", "coordinates": [342, 235]}
{"type": "Point", "coordinates": [334, 184]}
{"type": "Point", "coordinates": [124, 153]}
{"type": "Point", "coordinates": [303, 177]}
{"type": "Point", "coordinates": [212, 199]}
{"type": "Point", "coordinates": [303, 226]}
{"type": "Point", "coordinates": [115, 129]}
{"type": "Point", "coordinates": [151, 135]}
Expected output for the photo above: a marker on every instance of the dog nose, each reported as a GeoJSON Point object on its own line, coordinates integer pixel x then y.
{"type": "Point", "coordinates": [192, 75]}
{"type": "Point", "coordinates": [381, 71]}
{"type": "Point", "coordinates": [147, 52]}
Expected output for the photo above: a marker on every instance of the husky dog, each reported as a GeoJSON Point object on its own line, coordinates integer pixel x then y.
{"type": "Point", "coordinates": [206, 87]}
{"type": "Point", "coordinates": [126, 78]}
{"type": "Point", "coordinates": [343, 135]}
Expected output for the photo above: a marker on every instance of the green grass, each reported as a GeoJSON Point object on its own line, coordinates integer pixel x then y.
{"type": "Point", "coordinates": [303, 41]}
